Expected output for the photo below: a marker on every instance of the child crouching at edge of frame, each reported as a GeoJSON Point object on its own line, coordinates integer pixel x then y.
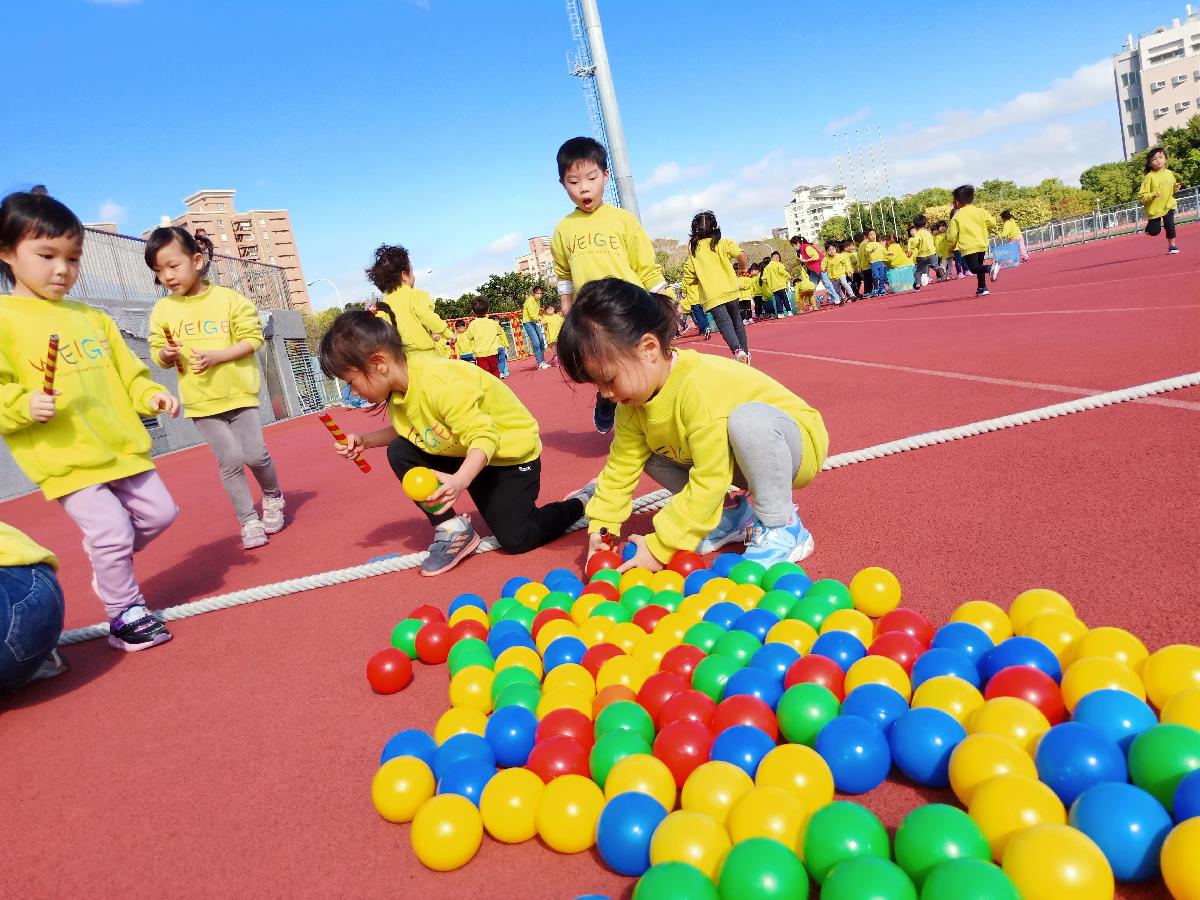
{"type": "Point", "coordinates": [458, 420]}
{"type": "Point", "coordinates": [695, 423]}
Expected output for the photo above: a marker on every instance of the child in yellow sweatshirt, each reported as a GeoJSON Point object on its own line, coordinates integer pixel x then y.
{"type": "Point", "coordinates": [695, 422]}
{"type": "Point", "coordinates": [708, 274]}
{"type": "Point", "coordinates": [1157, 193]}
{"type": "Point", "coordinates": [970, 228]}
{"type": "Point", "coordinates": [486, 337]}
{"type": "Point", "coordinates": [457, 420]}
{"type": "Point", "coordinates": [553, 320]}
{"type": "Point", "coordinates": [214, 335]}
{"type": "Point", "coordinates": [80, 437]}
{"type": "Point", "coordinates": [420, 326]}
{"type": "Point", "coordinates": [1011, 231]}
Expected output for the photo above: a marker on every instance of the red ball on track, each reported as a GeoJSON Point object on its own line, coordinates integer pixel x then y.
{"type": "Point", "coordinates": [649, 616]}
{"type": "Point", "coordinates": [899, 646]}
{"type": "Point", "coordinates": [388, 671]}
{"type": "Point", "coordinates": [602, 559]}
{"type": "Point", "coordinates": [558, 755]}
{"type": "Point", "coordinates": [1031, 685]}
{"type": "Point", "coordinates": [658, 689]}
{"type": "Point", "coordinates": [689, 704]}
{"type": "Point", "coordinates": [597, 655]}
{"type": "Point", "coordinates": [468, 628]}
{"type": "Point", "coordinates": [428, 613]}
{"type": "Point", "coordinates": [433, 643]}
{"type": "Point", "coordinates": [683, 745]}
{"type": "Point", "coordinates": [910, 622]}
{"type": "Point", "coordinates": [603, 589]}
{"type": "Point", "coordinates": [566, 722]}
{"type": "Point", "coordinates": [817, 670]}
{"type": "Point", "coordinates": [743, 709]}
{"type": "Point", "coordinates": [547, 615]}
{"type": "Point", "coordinates": [682, 660]}
{"type": "Point", "coordinates": [685, 562]}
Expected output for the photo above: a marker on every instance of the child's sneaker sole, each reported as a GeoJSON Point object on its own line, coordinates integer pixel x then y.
{"type": "Point", "coordinates": [144, 634]}
{"type": "Point", "coordinates": [803, 551]}
{"type": "Point", "coordinates": [459, 556]}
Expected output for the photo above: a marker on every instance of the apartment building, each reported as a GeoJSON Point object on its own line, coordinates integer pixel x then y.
{"type": "Point", "coordinates": [811, 206]}
{"type": "Point", "coordinates": [538, 262]}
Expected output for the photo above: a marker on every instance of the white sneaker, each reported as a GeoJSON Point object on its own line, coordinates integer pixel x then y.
{"type": "Point", "coordinates": [253, 534]}
{"type": "Point", "coordinates": [543, 365]}
{"type": "Point", "coordinates": [731, 527]}
{"type": "Point", "coordinates": [786, 543]}
{"type": "Point", "coordinates": [994, 271]}
{"type": "Point", "coordinates": [272, 514]}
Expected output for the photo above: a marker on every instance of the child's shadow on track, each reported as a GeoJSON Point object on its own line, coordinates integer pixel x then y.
{"type": "Point", "coordinates": [585, 444]}
{"type": "Point", "coordinates": [933, 302]}
{"type": "Point", "coordinates": [88, 661]}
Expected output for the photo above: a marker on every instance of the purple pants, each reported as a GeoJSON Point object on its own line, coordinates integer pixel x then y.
{"type": "Point", "coordinates": [117, 519]}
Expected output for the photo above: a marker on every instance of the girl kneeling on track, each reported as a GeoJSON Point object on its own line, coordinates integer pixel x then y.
{"type": "Point", "coordinates": [443, 411]}
{"type": "Point", "coordinates": [695, 423]}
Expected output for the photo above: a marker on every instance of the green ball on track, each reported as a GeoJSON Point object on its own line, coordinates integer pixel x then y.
{"type": "Point", "coordinates": [778, 603]}
{"type": "Point", "coordinates": [803, 710]}
{"type": "Point", "coordinates": [668, 600]}
{"type": "Point", "coordinates": [557, 600]}
{"type": "Point", "coordinates": [868, 876]}
{"type": "Point", "coordinates": [674, 881]}
{"type": "Point", "coordinates": [636, 597]}
{"type": "Point", "coordinates": [613, 747]}
{"type": "Point", "coordinates": [763, 868]}
{"type": "Point", "coordinates": [510, 676]}
{"type": "Point", "coordinates": [520, 694]}
{"type": "Point", "coordinates": [812, 611]}
{"type": "Point", "coordinates": [777, 571]}
{"type": "Point", "coordinates": [748, 572]}
{"type": "Point", "coordinates": [711, 673]}
{"type": "Point", "coordinates": [612, 610]}
{"type": "Point", "coordinates": [704, 635]}
{"type": "Point", "coordinates": [625, 715]}
{"type": "Point", "coordinates": [740, 645]}
{"type": "Point", "coordinates": [935, 833]}
{"type": "Point", "coordinates": [404, 636]}
{"type": "Point", "coordinates": [833, 592]}
{"type": "Point", "coordinates": [612, 576]}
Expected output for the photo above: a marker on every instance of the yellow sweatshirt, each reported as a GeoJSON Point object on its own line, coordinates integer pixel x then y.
{"type": "Point", "coordinates": [443, 349]}
{"type": "Point", "coordinates": [850, 261]}
{"type": "Point", "coordinates": [606, 243]}
{"type": "Point", "coordinates": [1010, 229]}
{"type": "Point", "coordinates": [925, 244]}
{"type": "Point", "coordinates": [712, 271]}
{"type": "Point", "coordinates": [970, 227]}
{"type": "Point", "coordinates": [747, 287]}
{"type": "Point", "coordinates": [213, 320]}
{"type": "Point", "coordinates": [486, 336]}
{"type": "Point", "coordinates": [896, 257]}
{"type": "Point", "coordinates": [415, 318]}
{"type": "Point", "coordinates": [451, 407]}
{"type": "Point", "coordinates": [96, 435]}
{"type": "Point", "coordinates": [873, 251]}
{"type": "Point", "coordinates": [464, 347]}
{"type": "Point", "coordinates": [942, 244]}
{"type": "Point", "coordinates": [1164, 183]}
{"type": "Point", "coordinates": [553, 322]}
{"type": "Point", "coordinates": [18, 549]}
{"type": "Point", "coordinates": [911, 246]}
{"type": "Point", "coordinates": [775, 276]}
{"type": "Point", "coordinates": [687, 421]}
{"type": "Point", "coordinates": [531, 311]}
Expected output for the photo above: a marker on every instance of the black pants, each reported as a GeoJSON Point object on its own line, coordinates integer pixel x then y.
{"type": "Point", "coordinates": [1154, 226]}
{"type": "Point", "coordinates": [747, 310]}
{"type": "Point", "coordinates": [974, 263]}
{"type": "Point", "coordinates": [505, 495]}
{"type": "Point", "coordinates": [868, 282]}
{"type": "Point", "coordinates": [729, 323]}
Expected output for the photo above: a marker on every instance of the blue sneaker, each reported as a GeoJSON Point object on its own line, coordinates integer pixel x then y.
{"type": "Point", "coordinates": [786, 543]}
{"type": "Point", "coordinates": [732, 527]}
{"type": "Point", "coordinates": [605, 415]}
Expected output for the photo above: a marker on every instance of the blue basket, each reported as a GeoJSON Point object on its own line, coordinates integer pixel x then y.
{"type": "Point", "coordinates": [1008, 255]}
{"type": "Point", "coordinates": [901, 279]}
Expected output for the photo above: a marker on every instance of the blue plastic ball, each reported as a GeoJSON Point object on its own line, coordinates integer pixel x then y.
{"type": "Point", "coordinates": [462, 746]}
{"type": "Point", "coordinates": [1023, 651]}
{"type": "Point", "coordinates": [795, 583]}
{"type": "Point", "coordinates": [467, 778]}
{"type": "Point", "coordinates": [697, 580]}
{"type": "Point", "coordinates": [466, 600]}
{"type": "Point", "coordinates": [743, 745]}
{"type": "Point", "coordinates": [628, 551]}
{"type": "Point", "coordinates": [723, 564]}
{"type": "Point", "coordinates": [567, 583]}
{"type": "Point", "coordinates": [1127, 824]}
{"type": "Point", "coordinates": [775, 658]}
{"type": "Point", "coordinates": [942, 661]}
{"type": "Point", "coordinates": [510, 733]}
{"type": "Point", "coordinates": [507, 627]}
{"type": "Point", "coordinates": [410, 742]}
{"type": "Point", "coordinates": [1119, 715]}
{"type": "Point", "coordinates": [758, 683]}
{"type": "Point", "coordinates": [565, 649]}
{"type": "Point", "coordinates": [555, 575]}
{"type": "Point", "coordinates": [877, 703]}
{"type": "Point", "coordinates": [724, 614]}
{"type": "Point", "coordinates": [856, 752]}
{"type": "Point", "coordinates": [498, 643]}
{"type": "Point", "coordinates": [969, 640]}
{"type": "Point", "coordinates": [1187, 796]}
{"type": "Point", "coordinates": [756, 622]}
{"type": "Point", "coordinates": [1072, 757]}
{"type": "Point", "coordinates": [840, 646]}
{"type": "Point", "coordinates": [510, 586]}
{"type": "Point", "coordinates": [624, 830]}
{"type": "Point", "coordinates": [921, 742]}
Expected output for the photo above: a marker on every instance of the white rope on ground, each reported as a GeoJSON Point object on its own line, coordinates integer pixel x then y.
{"type": "Point", "coordinates": [656, 500]}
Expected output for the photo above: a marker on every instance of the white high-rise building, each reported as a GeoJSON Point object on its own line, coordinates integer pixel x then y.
{"type": "Point", "coordinates": [812, 206]}
{"type": "Point", "coordinates": [1157, 78]}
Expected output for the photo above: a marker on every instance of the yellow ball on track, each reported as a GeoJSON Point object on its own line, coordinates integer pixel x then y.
{"type": "Point", "coordinates": [509, 805]}
{"type": "Point", "coordinates": [571, 675]}
{"type": "Point", "coordinates": [1032, 603]}
{"type": "Point", "coordinates": [472, 688]}
{"type": "Point", "coordinates": [641, 773]}
{"type": "Point", "coordinates": [1059, 632]}
{"type": "Point", "coordinates": [879, 670]}
{"type": "Point", "coordinates": [1010, 717]}
{"type": "Point", "coordinates": [1179, 854]}
{"type": "Point", "coordinates": [459, 720]}
{"type": "Point", "coordinates": [693, 838]}
{"type": "Point", "coordinates": [714, 787]}
{"type": "Point", "coordinates": [979, 757]}
{"type": "Point", "coordinates": [986, 615]}
{"type": "Point", "coordinates": [446, 832]}
{"type": "Point", "coordinates": [767, 812]}
{"type": "Point", "coordinates": [1170, 671]}
{"type": "Point", "coordinates": [875, 591]}
{"type": "Point", "coordinates": [1183, 709]}
{"type": "Point", "coordinates": [949, 694]}
{"type": "Point", "coordinates": [531, 593]}
{"type": "Point", "coordinates": [1056, 862]}
{"type": "Point", "coordinates": [850, 621]}
{"type": "Point", "coordinates": [1008, 804]}
{"type": "Point", "coordinates": [1113, 643]}
{"type": "Point", "coordinates": [521, 657]}
{"type": "Point", "coordinates": [567, 813]}
{"type": "Point", "coordinates": [468, 614]}
{"type": "Point", "coordinates": [400, 787]}
{"type": "Point", "coordinates": [1095, 673]}
{"type": "Point", "coordinates": [800, 636]}
{"type": "Point", "coordinates": [800, 771]}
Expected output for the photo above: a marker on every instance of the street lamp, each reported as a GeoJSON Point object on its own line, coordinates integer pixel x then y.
{"type": "Point", "coordinates": [336, 292]}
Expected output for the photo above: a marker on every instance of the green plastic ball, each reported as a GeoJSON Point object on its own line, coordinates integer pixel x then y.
{"type": "Point", "coordinates": [610, 609]}
{"type": "Point", "coordinates": [762, 868]}
{"type": "Point", "coordinates": [867, 876]}
{"type": "Point", "coordinates": [500, 607]}
{"type": "Point", "coordinates": [748, 572]}
{"type": "Point", "coordinates": [612, 576]}
{"type": "Point", "coordinates": [625, 715]}
{"type": "Point", "coordinates": [668, 600]}
{"type": "Point", "coordinates": [404, 636]}
{"type": "Point", "coordinates": [674, 881]}
{"type": "Point", "coordinates": [778, 603]}
{"type": "Point", "coordinates": [521, 613]}
{"type": "Point", "coordinates": [840, 831]}
{"type": "Point", "coordinates": [1160, 758]}
{"type": "Point", "coordinates": [611, 749]}
{"type": "Point", "coordinates": [704, 635]}
{"type": "Point", "coordinates": [777, 571]}
{"type": "Point", "coordinates": [469, 646]}
{"type": "Point", "coordinates": [803, 711]}
{"type": "Point", "coordinates": [812, 610]}
{"type": "Point", "coordinates": [934, 833]}
{"type": "Point", "coordinates": [520, 694]}
{"type": "Point", "coordinates": [636, 597]}
{"type": "Point", "coordinates": [557, 600]}
{"type": "Point", "coordinates": [711, 673]}
{"type": "Point", "coordinates": [739, 645]}
{"type": "Point", "coordinates": [968, 879]}
{"type": "Point", "coordinates": [512, 675]}
{"type": "Point", "coordinates": [833, 592]}
{"type": "Point", "coordinates": [472, 657]}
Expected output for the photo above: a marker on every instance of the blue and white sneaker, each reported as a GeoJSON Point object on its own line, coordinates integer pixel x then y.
{"type": "Point", "coordinates": [786, 543]}
{"type": "Point", "coordinates": [732, 527]}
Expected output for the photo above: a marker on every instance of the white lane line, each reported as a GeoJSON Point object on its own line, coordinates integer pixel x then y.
{"type": "Point", "coordinates": [826, 320]}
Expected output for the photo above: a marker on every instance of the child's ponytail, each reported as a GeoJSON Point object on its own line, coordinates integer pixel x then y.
{"type": "Point", "coordinates": [704, 225]}
{"type": "Point", "coordinates": [609, 318]}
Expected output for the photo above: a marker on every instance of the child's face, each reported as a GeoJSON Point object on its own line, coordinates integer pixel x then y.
{"type": "Point", "coordinates": [870, 235]}
{"type": "Point", "coordinates": [177, 270]}
{"type": "Point", "coordinates": [45, 267]}
{"type": "Point", "coordinates": [585, 182]}
{"type": "Point", "coordinates": [1158, 161]}
{"type": "Point", "coordinates": [374, 384]}
{"type": "Point", "coordinates": [633, 377]}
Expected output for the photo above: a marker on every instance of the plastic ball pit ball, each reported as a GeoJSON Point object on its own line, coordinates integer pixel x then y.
{"type": "Point", "coordinates": [509, 805]}
{"type": "Point", "coordinates": [857, 754]}
{"type": "Point", "coordinates": [400, 787]}
{"type": "Point", "coordinates": [1049, 862]}
{"type": "Point", "coordinates": [1127, 824]}
{"type": "Point", "coordinates": [675, 881]}
{"type": "Point", "coordinates": [840, 831]}
{"type": "Point", "coordinates": [693, 838]}
{"type": "Point", "coordinates": [1073, 757]}
{"type": "Point", "coordinates": [933, 834]}
{"type": "Point", "coordinates": [867, 876]}
{"type": "Point", "coordinates": [624, 830]}
{"type": "Point", "coordinates": [763, 868]}
{"type": "Point", "coordinates": [1006, 805]}
{"type": "Point", "coordinates": [567, 813]}
{"type": "Point", "coordinates": [874, 591]}
{"type": "Point", "coordinates": [388, 671]}
{"type": "Point", "coordinates": [446, 832]}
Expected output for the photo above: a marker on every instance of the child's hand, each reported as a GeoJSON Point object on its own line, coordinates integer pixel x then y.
{"type": "Point", "coordinates": [42, 406]}
{"type": "Point", "coordinates": [164, 402]}
{"type": "Point", "coordinates": [169, 355]}
{"type": "Point", "coordinates": [595, 545]}
{"type": "Point", "coordinates": [643, 557]}
{"type": "Point", "coordinates": [203, 360]}
{"type": "Point", "coordinates": [452, 486]}
{"type": "Point", "coordinates": [354, 445]}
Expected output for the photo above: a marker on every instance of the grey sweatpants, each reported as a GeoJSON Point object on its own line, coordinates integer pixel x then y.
{"type": "Point", "coordinates": [236, 440]}
{"type": "Point", "coordinates": [767, 450]}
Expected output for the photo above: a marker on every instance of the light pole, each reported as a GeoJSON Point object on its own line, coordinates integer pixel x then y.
{"type": "Point", "coordinates": [336, 292]}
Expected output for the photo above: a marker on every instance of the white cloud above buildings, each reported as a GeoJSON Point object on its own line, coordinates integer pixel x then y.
{"type": "Point", "coordinates": [111, 211]}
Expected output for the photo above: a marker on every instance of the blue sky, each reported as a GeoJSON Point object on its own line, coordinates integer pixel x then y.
{"type": "Point", "coordinates": [434, 122]}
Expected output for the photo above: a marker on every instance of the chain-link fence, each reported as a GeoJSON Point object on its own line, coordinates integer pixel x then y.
{"type": "Point", "coordinates": [1106, 222]}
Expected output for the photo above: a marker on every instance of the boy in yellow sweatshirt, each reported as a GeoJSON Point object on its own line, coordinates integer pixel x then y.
{"type": "Point", "coordinates": [531, 324]}
{"type": "Point", "coordinates": [552, 319]}
{"type": "Point", "coordinates": [1157, 193]}
{"type": "Point", "coordinates": [597, 240]}
{"type": "Point", "coordinates": [873, 253]}
{"type": "Point", "coordinates": [924, 251]}
{"type": "Point", "coordinates": [970, 227]}
{"type": "Point", "coordinates": [486, 337]}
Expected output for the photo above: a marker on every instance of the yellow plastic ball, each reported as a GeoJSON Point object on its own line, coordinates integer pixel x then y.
{"type": "Point", "coordinates": [673, 625]}
{"type": "Point", "coordinates": [446, 832]}
{"type": "Point", "coordinates": [581, 609]}
{"type": "Point", "coordinates": [718, 589]}
{"type": "Point", "coordinates": [1059, 632]}
{"type": "Point", "coordinates": [800, 636]}
{"type": "Point", "coordinates": [635, 577]}
{"type": "Point", "coordinates": [626, 635]}
{"type": "Point", "coordinates": [459, 720]}
{"type": "Point", "coordinates": [570, 675]}
{"type": "Point", "coordinates": [569, 697]}
{"type": "Point", "coordinates": [801, 772]}
{"type": "Point", "coordinates": [1183, 709]}
{"type": "Point", "coordinates": [746, 595]}
{"type": "Point", "coordinates": [652, 649]}
{"type": "Point", "coordinates": [531, 593]}
{"type": "Point", "coordinates": [622, 670]}
{"type": "Point", "coordinates": [521, 657]}
{"type": "Point", "coordinates": [851, 621]}
{"type": "Point", "coordinates": [693, 838]}
{"type": "Point", "coordinates": [468, 614]}
{"type": "Point", "coordinates": [1170, 671]}
{"type": "Point", "coordinates": [472, 688]}
{"type": "Point", "coordinates": [509, 805]}
{"type": "Point", "coordinates": [979, 757]}
{"type": "Point", "coordinates": [768, 812]}
{"type": "Point", "coordinates": [694, 607]}
{"type": "Point", "coordinates": [986, 615]}
{"type": "Point", "coordinates": [1010, 717]}
{"type": "Point", "coordinates": [1179, 854]}
{"type": "Point", "coordinates": [594, 629]}
{"type": "Point", "coordinates": [552, 631]}
{"type": "Point", "coordinates": [713, 788]}
{"type": "Point", "coordinates": [1095, 673]}
{"type": "Point", "coordinates": [1056, 862]}
{"type": "Point", "coordinates": [879, 670]}
{"type": "Point", "coordinates": [949, 694]}
{"type": "Point", "coordinates": [1113, 643]}
{"type": "Point", "coordinates": [400, 787]}
{"type": "Point", "coordinates": [1036, 602]}
{"type": "Point", "coordinates": [1007, 804]}
{"type": "Point", "coordinates": [875, 591]}
{"type": "Point", "coordinates": [666, 580]}
{"type": "Point", "coordinates": [641, 773]}
{"type": "Point", "coordinates": [567, 813]}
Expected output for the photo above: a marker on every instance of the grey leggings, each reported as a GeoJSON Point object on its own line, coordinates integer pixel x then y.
{"type": "Point", "coordinates": [767, 450]}
{"type": "Point", "coordinates": [236, 440]}
{"type": "Point", "coordinates": [728, 317]}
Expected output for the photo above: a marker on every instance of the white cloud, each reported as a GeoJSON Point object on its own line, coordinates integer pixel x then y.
{"type": "Point", "coordinates": [505, 244]}
{"type": "Point", "coordinates": [671, 172]}
{"type": "Point", "coordinates": [111, 211]}
{"type": "Point", "coordinates": [838, 124]}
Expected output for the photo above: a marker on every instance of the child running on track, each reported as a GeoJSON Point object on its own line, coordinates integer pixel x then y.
{"type": "Point", "coordinates": [708, 272]}
{"type": "Point", "coordinates": [696, 423]}
{"type": "Point", "coordinates": [531, 324]}
{"type": "Point", "coordinates": [448, 413]}
{"type": "Point", "coordinates": [969, 230]}
{"type": "Point", "coordinates": [215, 333]}
{"type": "Point", "coordinates": [1011, 231]}
{"type": "Point", "coordinates": [553, 320]}
{"type": "Point", "coordinates": [924, 251]}
{"type": "Point", "coordinates": [486, 337]}
{"type": "Point", "coordinates": [1157, 193]}
{"type": "Point", "coordinates": [84, 443]}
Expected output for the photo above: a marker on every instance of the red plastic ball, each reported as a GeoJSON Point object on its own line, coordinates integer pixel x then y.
{"type": "Point", "coordinates": [683, 745]}
{"type": "Point", "coordinates": [389, 670]}
{"type": "Point", "coordinates": [468, 628]}
{"type": "Point", "coordinates": [658, 689]}
{"type": "Point", "coordinates": [558, 755]}
{"type": "Point", "coordinates": [1032, 685]}
{"type": "Point", "coordinates": [427, 613]}
{"type": "Point", "coordinates": [685, 562]}
{"type": "Point", "coordinates": [547, 615]}
{"type": "Point", "coordinates": [744, 709]}
{"type": "Point", "coordinates": [648, 616]}
{"type": "Point", "coordinates": [689, 704]}
{"type": "Point", "coordinates": [682, 660]}
{"type": "Point", "coordinates": [566, 722]}
{"type": "Point", "coordinates": [604, 589]}
{"type": "Point", "coordinates": [899, 646]}
{"type": "Point", "coordinates": [817, 670]}
{"type": "Point", "coordinates": [602, 559]}
{"type": "Point", "coordinates": [910, 622]}
{"type": "Point", "coordinates": [433, 643]}
{"type": "Point", "coordinates": [597, 655]}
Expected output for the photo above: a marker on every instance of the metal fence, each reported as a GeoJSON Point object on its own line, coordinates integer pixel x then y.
{"type": "Point", "coordinates": [1106, 222]}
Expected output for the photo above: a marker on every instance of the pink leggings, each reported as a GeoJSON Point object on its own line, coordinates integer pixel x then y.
{"type": "Point", "coordinates": [117, 519]}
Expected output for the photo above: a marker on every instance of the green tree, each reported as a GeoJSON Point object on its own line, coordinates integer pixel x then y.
{"type": "Point", "coordinates": [315, 326]}
{"type": "Point", "coordinates": [1183, 152]}
{"type": "Point", "coordinates": [997, 190]}
{"type": "Point", "coordinates": [836, 228]}
{"type": "Point", "coordinates": [670, 255]}
{"type": "Point", "coordinates": [1112, 183]}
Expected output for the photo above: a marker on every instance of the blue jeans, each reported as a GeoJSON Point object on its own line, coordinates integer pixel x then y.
{"type": "Point", "coordinates": [533, 334]}
{"type": "Point", "coordinates": [783, 303]}
{"type": "Point", "coordinates": [699, 317]}
{"type": "Point", "coordinates": [835, 296]}
{"type": "Point", "coordinates": [879, 277]}
{"type": "Point", "coordinates": [31, 619]}
{"type": "Point", "coordinates": [502, 361]}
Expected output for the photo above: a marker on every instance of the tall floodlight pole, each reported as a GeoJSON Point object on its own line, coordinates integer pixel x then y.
{"type": "Point", "coordinates": [841, 175]}
{"type": "Point", "coordinates": [887, 181]}
{"type": "Point", "coordinates": [854, 189]}
{"type": "Point", "coordinates": [875, 182]}
{"type": "Point", "coordinates": [862, 173]}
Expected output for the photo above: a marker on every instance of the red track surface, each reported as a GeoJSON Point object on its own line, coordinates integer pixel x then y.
{"type": "Point", "coordinates": [237, 759]}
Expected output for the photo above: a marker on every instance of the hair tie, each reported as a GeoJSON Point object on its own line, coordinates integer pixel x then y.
{"type": "Point", "coordinates": [373, 309]}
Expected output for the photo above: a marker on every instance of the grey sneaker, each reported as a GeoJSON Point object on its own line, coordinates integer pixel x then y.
{"type": "Point", "coordinates": [272, 514]}
{"type": "Point", "coordinates": [253, 534]}
{"type": "Point", "coordinates": [449, 547]}
{"type": "Point", "coordinates": [52, 666]}
{"type": "Point", "coordinates": [583, 494]}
